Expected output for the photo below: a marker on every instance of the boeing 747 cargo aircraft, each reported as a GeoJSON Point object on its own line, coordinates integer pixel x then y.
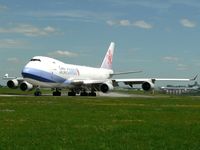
{"type": "Point", "coordinates": [45, 72]}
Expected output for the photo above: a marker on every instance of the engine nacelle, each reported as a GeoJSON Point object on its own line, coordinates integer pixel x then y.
{"type": "Point", "coordinates": [13, 83]}
{"type": "Point", "coordinates": [25, 86]}
{"type": "Point", "coordinates": [105, 87]}
{"type": "Point", "coordinates": [147, 86]}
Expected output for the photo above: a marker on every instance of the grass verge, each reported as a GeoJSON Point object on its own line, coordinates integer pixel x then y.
{"type": "Point", "coordinates": [99, 123]}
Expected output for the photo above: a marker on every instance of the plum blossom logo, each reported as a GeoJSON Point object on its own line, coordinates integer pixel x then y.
{"type": "Point", "coordinates": [109, 57]}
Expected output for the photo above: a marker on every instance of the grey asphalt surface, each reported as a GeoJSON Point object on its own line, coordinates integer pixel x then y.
{"type": "Point", "coordinates": [110, 94]}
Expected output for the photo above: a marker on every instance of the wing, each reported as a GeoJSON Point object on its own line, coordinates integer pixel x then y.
{"type": "Point", "coordinates": [148, 83]}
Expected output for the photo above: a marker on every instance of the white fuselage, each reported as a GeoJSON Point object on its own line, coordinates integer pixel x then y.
{"type": "Point", "coordinates": [48, 72]}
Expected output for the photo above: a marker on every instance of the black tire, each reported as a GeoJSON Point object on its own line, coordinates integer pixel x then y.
{"type": "Point", "coordinates": [84, 94]}
{"type": "Point", "coordinates": [71, 94]}
{"type": "Point", "coordinates": [38, 93]}
{"type": "Point", "coordinates": [92, 94]}
{"type": "Point", "coordinates": [56, 93]}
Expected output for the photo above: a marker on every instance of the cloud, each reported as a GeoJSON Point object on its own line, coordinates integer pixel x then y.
{"type": "Point", "coordinates": [13, 60]}
{"type": "Point", "coordinates": [111, 22]}
{"type": "Point", "coordinates": [139, 24]}
{"type": "Point", "coordinates": [144, 3]}
{"type": "Point", "coordinates": [176, 61]}
{"type": "Point", "coordinates": [49, 29]}
{"type": "Point", "coordinates": [70, 14]}
{"type": "Point", "coordinates": [196, 62]}
{"type": "Point", "coordinates": [158, 5]}
{"type": "Point", "coordinates": [29, 30]}
{"type": "Point", "coordinates": [142, 24]}
{"type": "Point", "coordinates": [187, 23]}
{"type": "Point", "coordinates": [170, 59]}
{"type": "Point", "coordinates": [73, 15]}
{"type": "Point", "coordinates": [182, 67]}
{"type": "Point", "coordinates": [3, 7]}
{"type": "Point", "coordinates": [61, 53]}
{"type": "Point", "coordinates": [190, 3]}
{"type": "Point", "coordinates": [124, 23]}
{"type": "Point", "coordinates": [11, 43]}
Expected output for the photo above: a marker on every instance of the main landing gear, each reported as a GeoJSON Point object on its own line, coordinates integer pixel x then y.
{"type": "Point", "coordinates": [57, 93]}
{"type": "Point", "coordinates": [92, 94]}
{"type": "Point", "coordinates": [71, 93]}
{"type": "Point", "coordinates": [39, 93]}
{"type": "Point", "coordinates": [82, 93]}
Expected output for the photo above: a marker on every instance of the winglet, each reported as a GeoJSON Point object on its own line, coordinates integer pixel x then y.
{"type": "Point", "coordinates": [107, 62]}
{"type": "Point", "coordinates": [194, 78]}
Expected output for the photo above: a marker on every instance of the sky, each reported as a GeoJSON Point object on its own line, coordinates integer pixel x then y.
{"type": "Point", "coordinates": [159, 37]}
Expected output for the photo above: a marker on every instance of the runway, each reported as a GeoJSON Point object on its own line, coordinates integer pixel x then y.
{"type": "Point", "coordinates": [116, 94]}
{"type": "Point", "coordinates": [11, 95]}
{"type": "Point", "coordinates": [99, 94]}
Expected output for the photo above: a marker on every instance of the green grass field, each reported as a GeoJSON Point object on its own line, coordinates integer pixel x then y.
{"type": "Point", "coordinates": [99, 123]}
{"type": "Point", "coordinates": [8, 91]}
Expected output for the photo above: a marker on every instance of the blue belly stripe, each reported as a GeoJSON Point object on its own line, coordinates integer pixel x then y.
{"type": "Point", "coordinates": [35, 77]}
{"type": "Point", "coordinates": [42, 76]}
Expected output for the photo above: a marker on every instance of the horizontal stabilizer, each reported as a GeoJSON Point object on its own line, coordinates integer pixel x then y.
{"type": "Point", "coordinates": [6, 77]}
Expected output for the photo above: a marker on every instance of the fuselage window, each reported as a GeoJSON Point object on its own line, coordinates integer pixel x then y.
{"type": "Point", "coordinates": [35, 60]}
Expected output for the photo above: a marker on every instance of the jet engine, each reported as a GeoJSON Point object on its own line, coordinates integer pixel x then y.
{"type": "Point", "coordinates": [147, 86]}
{"type": "Point", "coordinates": [25, 86]}
{"type": "Point", "coordinates": [13, 83]}
{"type": "Point", "coordinates": [105, 87]}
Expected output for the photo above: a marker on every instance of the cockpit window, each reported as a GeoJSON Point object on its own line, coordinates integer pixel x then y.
{"type": "Point", "coordinates": [35, 59]}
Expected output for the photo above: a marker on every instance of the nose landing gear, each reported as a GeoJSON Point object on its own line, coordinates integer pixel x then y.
{"type": "Point", "coordinates": [37, 92]}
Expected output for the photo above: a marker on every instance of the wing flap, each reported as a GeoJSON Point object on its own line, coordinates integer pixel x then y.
{"type": "Point", "coordinates": [87, 82]}
{"type": "Point", "coordinates": [127, 72]}
{"type": "Point", "coordinates": [134, 81]}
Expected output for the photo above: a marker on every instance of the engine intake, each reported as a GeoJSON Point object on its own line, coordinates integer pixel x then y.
{"type": "Point", "coordinates": [25, 86]}
{"type": "Point", "coordinates": [105, 87]}
{"type": "Point", "coordinates": [147, 86]}
{"type": "Point", "coordinates": [13, 83]}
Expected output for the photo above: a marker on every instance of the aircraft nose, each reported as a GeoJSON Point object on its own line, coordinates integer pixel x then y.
{"type": "Point", "coordinates": [29, 70]}
{"type": "Point", "coordinates": [26, 72]}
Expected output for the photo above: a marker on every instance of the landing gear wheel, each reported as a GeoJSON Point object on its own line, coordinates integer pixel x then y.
{"type": "Point", "coordinates": [84, 94]}
{"type": "Point", "coordinates": [56, 93]}
{"type": "Point", "coordinates": [37, 93]}
{"type": "Point", "coordinates": [92, 94]}
{"type": "Point", "coordinates": [71, 94]}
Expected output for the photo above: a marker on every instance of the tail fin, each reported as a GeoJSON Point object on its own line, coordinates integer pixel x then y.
{"type": "Point", "coordinates": [107, 62]}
